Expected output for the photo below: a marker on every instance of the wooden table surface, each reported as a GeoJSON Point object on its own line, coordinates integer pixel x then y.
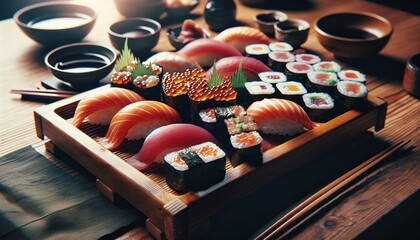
{"type": "Point", "coordinates": [386, 191]}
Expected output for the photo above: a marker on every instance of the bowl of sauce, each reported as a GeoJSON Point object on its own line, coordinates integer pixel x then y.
{"type": "Point", "coordinates": [353, 34]}
{"type": "Point", "coordinates": [82, 65]}
{"type": "Point", "coordinates": [293, 31]}
{"type": "Point", "coordinates": [142, 34]}
{"type": "Point", "coordinates": [56, 23]}
{"type": "Point", "coordinates": [265, 21]}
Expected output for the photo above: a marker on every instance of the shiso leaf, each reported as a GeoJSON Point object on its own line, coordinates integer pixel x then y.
{"type": "Point", "coordinates": [215, 79]}
{"type": "Point", "coordinates": [238, 78]}
{"type": "Point", "coordinates": [141, 70]}
{"type": "Point", "coordinates": [126, 57]}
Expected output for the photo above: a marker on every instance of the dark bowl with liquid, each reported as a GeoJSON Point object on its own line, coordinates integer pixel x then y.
{"type": "Point", "coordinates": [55, 23]}
{"type": "Point", "coordinates": [82, 65]}
{"type": "Point", "coordinates": [142, 34]}
{"type": "Point", "coordinates": [353, 35]}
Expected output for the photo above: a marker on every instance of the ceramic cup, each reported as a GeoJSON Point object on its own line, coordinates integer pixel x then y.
{"type": "Point", "coordinates": [411, 81]}
{"type": "Point", "coordinates": [293, 31]}
{"type": "Point", "coordinates": [265, 21]}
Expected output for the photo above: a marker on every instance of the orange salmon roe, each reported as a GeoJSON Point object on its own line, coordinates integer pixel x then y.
{"type": "Point", "coordinates": [207, 151]}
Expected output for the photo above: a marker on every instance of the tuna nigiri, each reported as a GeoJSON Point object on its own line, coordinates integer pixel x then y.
{"type": "Point", "coordinates": [167, 139]}
{"type": "Point", "coordinates": [280, 116]}
{"type": "Point", "coordinates": [206, 51]}
{"type": "Point", "coordinates": [250, 66]}
{"type": "Point", "coordinates": [137, 120]}
{"type": "Point", "coordinates": [173, 62]}
{"type": "Point", "coordinates": [101, 105]}
{"type": "Point", "coordinates": [240, 37]}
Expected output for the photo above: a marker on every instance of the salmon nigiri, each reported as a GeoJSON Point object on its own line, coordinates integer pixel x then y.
{"type": "Point", "coordinates": [280, 116]}
{"type": "Point", "coordinates": [206, 51]}
{"type": "Point", "coordinates": [173, 62]}
{"type": "Point", "coordinates": [240, 37]}
{"type": "Point", "coordinates": [137, 120]}
{"type": "Point", "coordinates": [226, 67]}
{"type": "Point", "coordinates": [167, 139]}
{"type": "Point", "coordinates": [101, 105]}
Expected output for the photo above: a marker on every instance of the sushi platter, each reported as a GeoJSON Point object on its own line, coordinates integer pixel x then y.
{"type": "Point", "coordinates": [181, 144]}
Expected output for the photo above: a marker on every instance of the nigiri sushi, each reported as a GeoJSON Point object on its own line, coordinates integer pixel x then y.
{"type": "Point", "coordinates": [206, 51]}
{"type": "Point", "coordinates": [101, 105]}
{"type": "Point", "coordinates": [280, 116]}
{"type": "Point", "coordinates": [166, 139]}
{"type": "Point", "coordinates": [173, 62]}
{"type": "Point", "coordinates": [137, 120]}
{"type": "Point", "coordinates": [226, 67]}
{"type": "Point", "coordinates": [240, 37]}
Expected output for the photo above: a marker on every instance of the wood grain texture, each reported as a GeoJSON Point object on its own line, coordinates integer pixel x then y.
{"type": "Point", "coordinates": [22, 66]}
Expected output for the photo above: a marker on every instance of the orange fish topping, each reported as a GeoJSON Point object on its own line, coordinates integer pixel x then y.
{"type": "Point", "coordinates": [350, 75]}
{"type": "Point", "coordinates": [291, 87]}
{"type": "Point", "coordinates": [207, 151]}
{"type": "Point", "coordinates": [247, 139]}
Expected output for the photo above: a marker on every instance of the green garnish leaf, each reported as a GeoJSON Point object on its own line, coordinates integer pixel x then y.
{"type": "Point", "coordinates": [238, 78]}
{"type": "Point", "coordinates": [215, 78]}
{"type": "Point", "coordinates": [126, 57]}
{"type": "Point", "coordinates": [141, 70]}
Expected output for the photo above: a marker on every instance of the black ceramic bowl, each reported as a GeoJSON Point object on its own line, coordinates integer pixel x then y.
{"type": "Point", "coordinates": [180, 12]}
{"type": "Point", "coordinates": [142, 34]}
{"type": "Point", "coordinates": [81, 64]}
{"type": "Point", "coordinates": [140, 8]}
{"type": "Point", "coordinates": [55, 23]}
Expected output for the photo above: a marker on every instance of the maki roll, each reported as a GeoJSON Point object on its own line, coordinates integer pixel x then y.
{"type": "Point", "coordinates": [259, 90]}
{"type": "Point", "coordinates": [319, 106]}
{"type": "Point", "coordinates": [322, 81]}
{"type": "Point", "coordinates": [296, 71]}
{"type": "Point", "coordinates": [195, 168]}
{"type": "Point", "coordinates": [148, 86]}
{"type": "Point", "coordinates": [352, 75]}
{"type": "Point", "coordinates": [246, 147]}
{"type": "Point", "coordinates": [272, 77]}
{"type": "Point", "coordinates": [122, 78]}
{"type": "Point", "coordinates": [280, 46]}
{"type": "Point", "coordinates": [292, 91]}
{"type": "Point", "coordinates": [175, 92]}
{"type": "Point", "coordinates": [326, 66]}
{"type": "Point", "coordinates": [240, 124]}
{"type": "Point", "coordinates": [207, 118]}
{"type": "Point", "coordinates": [351, 93]}
{"type": "Point", "coordinates": [279, 59]}
{"type": "Point", "coordinates": [258, 51]}
{"type": "Point", "coordinates": [307, 58]}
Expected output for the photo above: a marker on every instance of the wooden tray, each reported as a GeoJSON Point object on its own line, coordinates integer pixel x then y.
{"type": "Point", "coordinates": [179, 216]}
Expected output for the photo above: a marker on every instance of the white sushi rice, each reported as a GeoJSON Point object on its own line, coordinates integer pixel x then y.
{"type": "Point", "coordinates": [321, 66]}
{"type": "Point", "coordinates": [284, 88]}
{"type": "Point", "coordinates": [342, 87]}
{"type": "Point", "coordinates": [272, 77]}
{"type": "Point", "coordinates": [207, 159]}
{"type": "Point", "coordinates": [281, 126]}
{"type": "Point", "coordinates": [205, 117]}
{"type": "Point", "coordinates": [330, 81]}
{"type": "Point", "coordinates": [257, 49]}
{"type": "Point", "coordinates": [307, 58]}
{"type": "Point", "coordinates": [140, 131]}
{"type": "Point", "coordinates": [280, 56]}
{"type": "Point", "coordinates": [237, 145]}
{"type": "Point", "coordinates": [103, 116]}
{"type": "Point", "coordinates": [360, 77]}
{"type": "Point", "coordinates": [310, 102]}
{"type": "Point", "coordinates": [280, 46]}
{"type": "Point", "coordinates": [170, 159]}
{"type": "Point", "coordinates": [259, 88]}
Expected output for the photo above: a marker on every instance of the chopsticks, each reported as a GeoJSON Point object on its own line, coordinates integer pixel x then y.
{"type": "Point", "coordinates": [45, 94]}
{"type": "Point", "coordinates": [308, 206]}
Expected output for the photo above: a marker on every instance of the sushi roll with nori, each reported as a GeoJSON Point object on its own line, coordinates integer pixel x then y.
{"type": "Point", "coordinates": [272, 77]}
{"type": "Point", "coordinates": [279, 59]}
{"type": "Point", "coordinates": [292, 91]}
{"type": "Point", "coordinates": [307, 58]}
{"type": "Point", "coordinates": [352, 75]}
{"type": "Point", "coordinates": [207, 119]}
{"type": "Point", "coordinates": [240, 124]}
{"type": "Point", "coordinates": [148, 86]}
{"type": "Point", "coordinates": [350, 93]}
{"type": "Point", "coordinates": [327, 66]}
{"type": "Point", "coordinates": [319, 106]}
{"type": "Point", "coordinates": [246, 147]}
{"type": "Point", "coordinates": [280, 46]}
{"type": "Point", "coordinates": [195, 168]}
{"type": "Point", "coordinates": [296, 71]}
{"type": "Point", "coordinates": [259, 90]}
{"type": "Point", "coordinates": [258, 51]}
{"type": "Point", "coordinates": [319, 81]}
